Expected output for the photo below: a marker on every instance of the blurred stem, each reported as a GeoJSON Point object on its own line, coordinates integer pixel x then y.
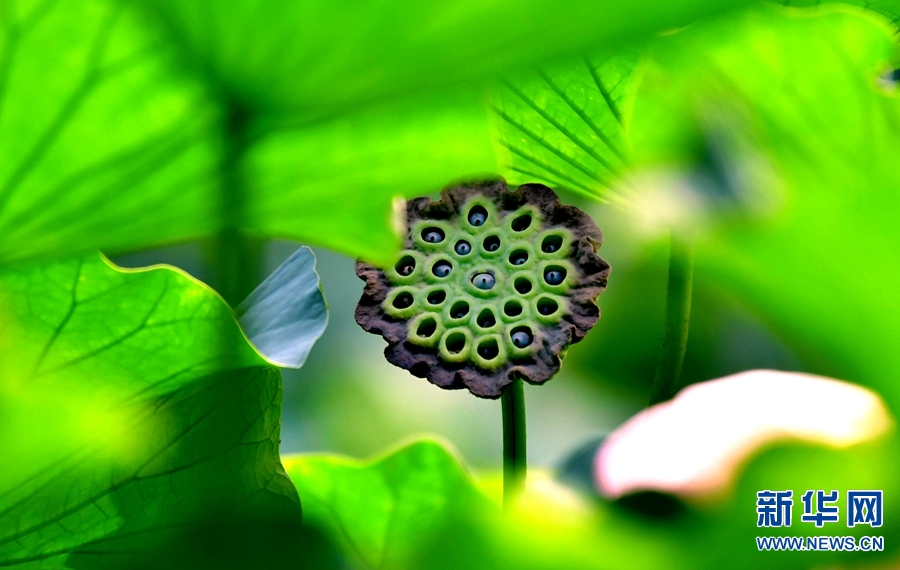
{"type": "Point", "coordinates": [235, 258]}
{"type": "Point", "coordinates": [514, 461]}
{"type": "Point", "coordinates": [678, 317]}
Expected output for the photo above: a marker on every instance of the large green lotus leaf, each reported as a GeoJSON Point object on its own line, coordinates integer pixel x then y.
{"type": "Point", "coordinates": [565, 125]}
{"type": "Point", "coordinates": [785, 113]}
{"type": "Point", "coordinates": [124, 146]}
{"type": "Point", "coordinates": [417, 507]}
{"type": "Point", "coordinates": [320, 56]}
{"type": "Point", "coordinates": [726, 524]}
{"type": "Point", "coordinates": [100, 144]}
{"type": "Point", "coordinates": [133, 412]}
{"type": "Point", "coordinates": [730, 527]}
{"type": "Point", "coordinates": [887, 8]}
{"type": "Point", "coordinates": [337, 183]}
{"type": "Point", "coordinates": [121, 152]}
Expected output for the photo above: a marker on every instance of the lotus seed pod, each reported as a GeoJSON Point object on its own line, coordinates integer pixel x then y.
{"type": "Point", "coordinates": [491, 285]}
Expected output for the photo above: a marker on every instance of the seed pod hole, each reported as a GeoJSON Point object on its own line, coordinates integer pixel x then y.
{"type": "Point", "coordinates": [433, 235]}
{"type": "Point", "coordinates": [551, 244]}
{"type": "Point", "coordinates": [521, 223]}
{"type": "Point", "coordinates": [521, 337]}
{"type": "Point", "coordinates": [523, 285]}
{"type": "Point", "coordinates": [456, 342]}
{"type": "Point", "coordinates": [486, 319]}
{"type": "Point", "coordinates": [477, 216]}
{"type": "Point", "coordinates": [426, 328]}
{"type": "Point", "coordinates": [436, 297]}
{"type": "Point", "coordinates": [406, 265]}
{"type": "Point", "coordinates": [512, 309]}
{"type": "Point", "coordinates": [554, 275]}
{"type": "Point", "coordinates": [491, 243]}
{"type": "Point", "coordinates": [463, 247]}
{"type": "Point", "coordinates": [442, 269]}
{"type": "Point", "coordinates": [403, 300]}
{"type": "Point", "coordinates": [547, 306]}
{"type": "Point", "coordinates": [488, 349]}
{"type": "Point", "coordinates": [484, 281]}
{"type": "Point", "coordinates": [518, 257]}
{"type": "Point", "coordinates": [459, 310]}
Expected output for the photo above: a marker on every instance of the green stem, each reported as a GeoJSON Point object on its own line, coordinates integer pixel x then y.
{"type": "Point", "coordinates": [514, 461]}
{"type": "Point", "coordinates": [235, 258]}
{"type": "Point", "coordinates": [678, 317]}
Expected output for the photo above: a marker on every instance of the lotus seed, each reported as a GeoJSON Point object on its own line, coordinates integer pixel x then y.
{"type": "Point", "coordinates": [406, 265]}
{"type": "Point", "coordinates": [484, 281]}
{"type": "Point", "coordinates": [551, 244]}
{"type": "Point", "coordinates": [437, 297]}
{"type": "Point", "coordinates": [554, 276]}
{"type": "Point", "coordinates": [463, 247]}
{"type": "Point", "coordinates": [477, 216]}
{"type": "Point", "coordinates": [433, 235]}
{"type": "Point", "coordinates": [547, 307]}
{"type": "Point", "coordinates": [486, 319]}
{"type": "Point", "coordinates": [488, 350]}
{"type": "Point", "coordinates": [518, 257]}
{"type": "Point", "coordinates": [459, 310]}
{"type": "Point", "coordinates": [492, 243]}
{"type": "Point", "coordinates": [521, 338]}
{"type": "Point", "coordinates": [403, 300]}
{"type": "Point", "coordinates": [521, 223]}
{"type": "Point", "coordinates": [442, 269]}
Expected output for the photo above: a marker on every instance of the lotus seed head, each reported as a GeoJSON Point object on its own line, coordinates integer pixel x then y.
{"type": "Point", "coordinates": [484, 281]}
{"type": "Point", "coordinates": [491, 284]}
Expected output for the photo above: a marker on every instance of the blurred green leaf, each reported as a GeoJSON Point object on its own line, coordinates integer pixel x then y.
{"type": "Point", "coordinates": [417, 507]}
{"type": "Point", "coordinates": [565, 126]}
{"type": "Point", "coordinates": [320, 57]}
{"type": "Point", "coordinates": [133, 412]}
{"type": "Point", "coordinates": [807, 179]}
{"type": "Point", "coordinates": [382, 511]}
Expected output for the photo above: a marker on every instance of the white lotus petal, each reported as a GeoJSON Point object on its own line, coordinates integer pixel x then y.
{"type": "Point", "coordinates": [694, 444]}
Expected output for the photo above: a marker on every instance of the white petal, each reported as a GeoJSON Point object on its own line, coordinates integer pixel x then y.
{"type": "Point", "coordinates": [694, 444]}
